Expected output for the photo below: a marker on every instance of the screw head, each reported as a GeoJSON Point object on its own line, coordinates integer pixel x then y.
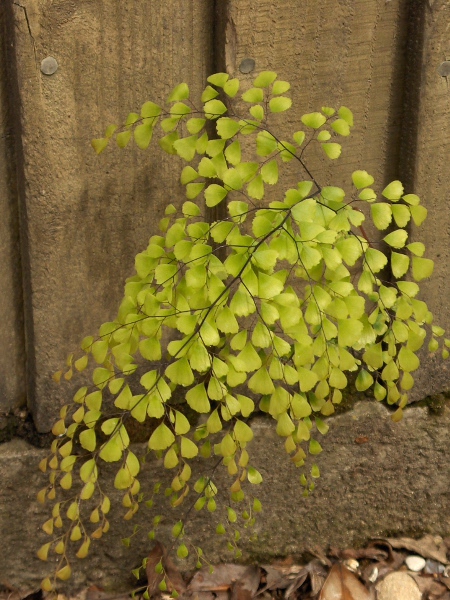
{"type": "Point", "coordinates": [247, 65]}
{"type": "Point", "coordinates": [444, 69]}
{"type": "Point", "coordinates": [49, 65]}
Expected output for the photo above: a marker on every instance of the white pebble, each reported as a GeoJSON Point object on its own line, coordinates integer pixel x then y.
{"type": "Point", "coordinates": [415, 563]}
{"type": "Point", "coordinates": [351, 564]}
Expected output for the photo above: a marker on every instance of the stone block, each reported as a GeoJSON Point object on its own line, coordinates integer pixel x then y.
{"type": "Point", "coordinates": [379, 478]}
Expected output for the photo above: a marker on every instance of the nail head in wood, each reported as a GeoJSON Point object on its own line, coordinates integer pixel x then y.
{"type": "Point", "coordinates": [247, 65]}
{"type": "Point", "coordinates": [49, 65]}
{"type": "Point", "coordinates": [444, 69]}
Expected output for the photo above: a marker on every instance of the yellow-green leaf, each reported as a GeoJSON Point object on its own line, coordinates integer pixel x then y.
{"type": "Point", "coordinates": [161, 438]}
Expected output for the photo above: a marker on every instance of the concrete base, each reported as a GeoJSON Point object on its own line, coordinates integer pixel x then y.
{"type": "Point", "coordinates": [379, 478]}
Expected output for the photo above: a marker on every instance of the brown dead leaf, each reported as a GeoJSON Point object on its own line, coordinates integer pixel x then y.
{"type": "Point", "coordinates": [154, 578]}
{"type": "Point", "coordinates": [269, 577]}
{"type": "Point", "coordinates": [292, 578]}
{"type": "Point", "coordinates": [280, 577]}
{"type": "Point", "coordinates": [342, 584]}
{"type": "Point", "coordinates": [320, 553]}
{"type": "Point", "coordinates": [371, 552]}
{"type": "Point", "coordinates": [211, 595]}
{"type": "Point", "coordinates": [94, 592]}
{"type": "Point", "coordinates": [370, 574]}
{"type": "Point", "coordinates": [317, 576]}
{"type": "Point", "coordinates": [241, 580]}
{"type": "Point", "coordinates": [385, 545]}
{"type": "Point", "coordinates": [445, 581]}
{"type": "Point", "coordinates": [173, 576]}
{"type": "Point", "coordinates": [393, 562]}
{"type": "Point", "coordinates": [245, 587]}
{"type": "Point", "coordinates": [429, 587]}
{"type": "Point", "coordinates": [10, 593]}
{"type": "Point", "coordinates": [295, 585]}
{"type": "Point", "coordinates": [429, 547]}
{"type": "Point", "coordinates": [383, 567]}
{"type": "Point", "coordinates": [241, 590]}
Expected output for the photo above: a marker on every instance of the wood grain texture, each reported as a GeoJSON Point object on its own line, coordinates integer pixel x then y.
{"type": "Point", "coordinates": [347, 52]}
{"type": "Point", "coordinates": [86, 217]}
{"type": "Point", "coordinates": [83, 218]}
{"type": "Point", "coordinates": [12, 343]}
{"type": "Point", "coordinates": [427, 167]}
{"type": "Point", "coordinates": [380, 59]}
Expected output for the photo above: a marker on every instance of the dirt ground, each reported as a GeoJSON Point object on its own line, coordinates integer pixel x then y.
{"type": "Point", "coordinates": [385, 569]}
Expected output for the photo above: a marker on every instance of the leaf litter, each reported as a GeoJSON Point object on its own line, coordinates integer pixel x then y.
{"type": "Point", "coordinates": [337, 574]}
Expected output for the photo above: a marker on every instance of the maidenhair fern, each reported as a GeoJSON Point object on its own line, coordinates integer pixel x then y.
{"type": "Point", "coordinates": [270, 308]}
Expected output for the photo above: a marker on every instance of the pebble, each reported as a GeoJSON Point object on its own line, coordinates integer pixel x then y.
{"type": "Point", "coordinates": [415, 563]}
{"type": "Point", "coordinates": [398, 586]}
{"type": "Point", "coordinates": [433, 567]}
{"type": "Point", "coordinates": [351, 564]}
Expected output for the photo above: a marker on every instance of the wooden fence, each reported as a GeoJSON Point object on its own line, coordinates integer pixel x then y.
{"type": "Point", "coordinates": [72, 222]}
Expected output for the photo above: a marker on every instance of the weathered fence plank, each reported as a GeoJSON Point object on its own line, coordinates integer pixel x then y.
{"type": "Point", "coordinates": [333, 53]}
{"type": "Point", "coordinates": [427, 170]}
{"type": "Point", "coordinates": [86, 217]}
{"type": "Point", "coordinates": [12, 348]}
{"type": "Point", "coordinates": [380, 59]}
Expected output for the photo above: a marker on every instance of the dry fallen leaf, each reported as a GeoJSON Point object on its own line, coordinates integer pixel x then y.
{"type": "Point", "coordinates": [429, 547]}
{"type": "Point", "coordinates": [173, 576]}
{"type": "Point", "coordinates": [9, 592]}
{"type": "Point", "coordinates": [243, 590]}
{"type": "Point", "coordinates": [371, 552]}
{"type": "Point", "coordinates": [243, 581]}
{"type": "Point", "coordinates": [320, 554]}
{"type": "Point", "coordinates": [317, 574]}
{"type": "Point", "coordinates": [342, 584]}
{"type": "Point", "coordinates": [281, 577]}
{"type": "Point", "coordinates": [295, 585]}
{"type": "Point", "coordinates": [293, 577]}
{"type": "Point", "coordinates": [429, 587]}
{"type": "Point", "coordinates": [154, 578]}
{"type": "Point", "coordinates": [219, 595]}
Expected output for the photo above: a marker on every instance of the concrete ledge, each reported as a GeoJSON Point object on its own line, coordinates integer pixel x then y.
{"type": "Point", "coordinates": [397, 482]}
